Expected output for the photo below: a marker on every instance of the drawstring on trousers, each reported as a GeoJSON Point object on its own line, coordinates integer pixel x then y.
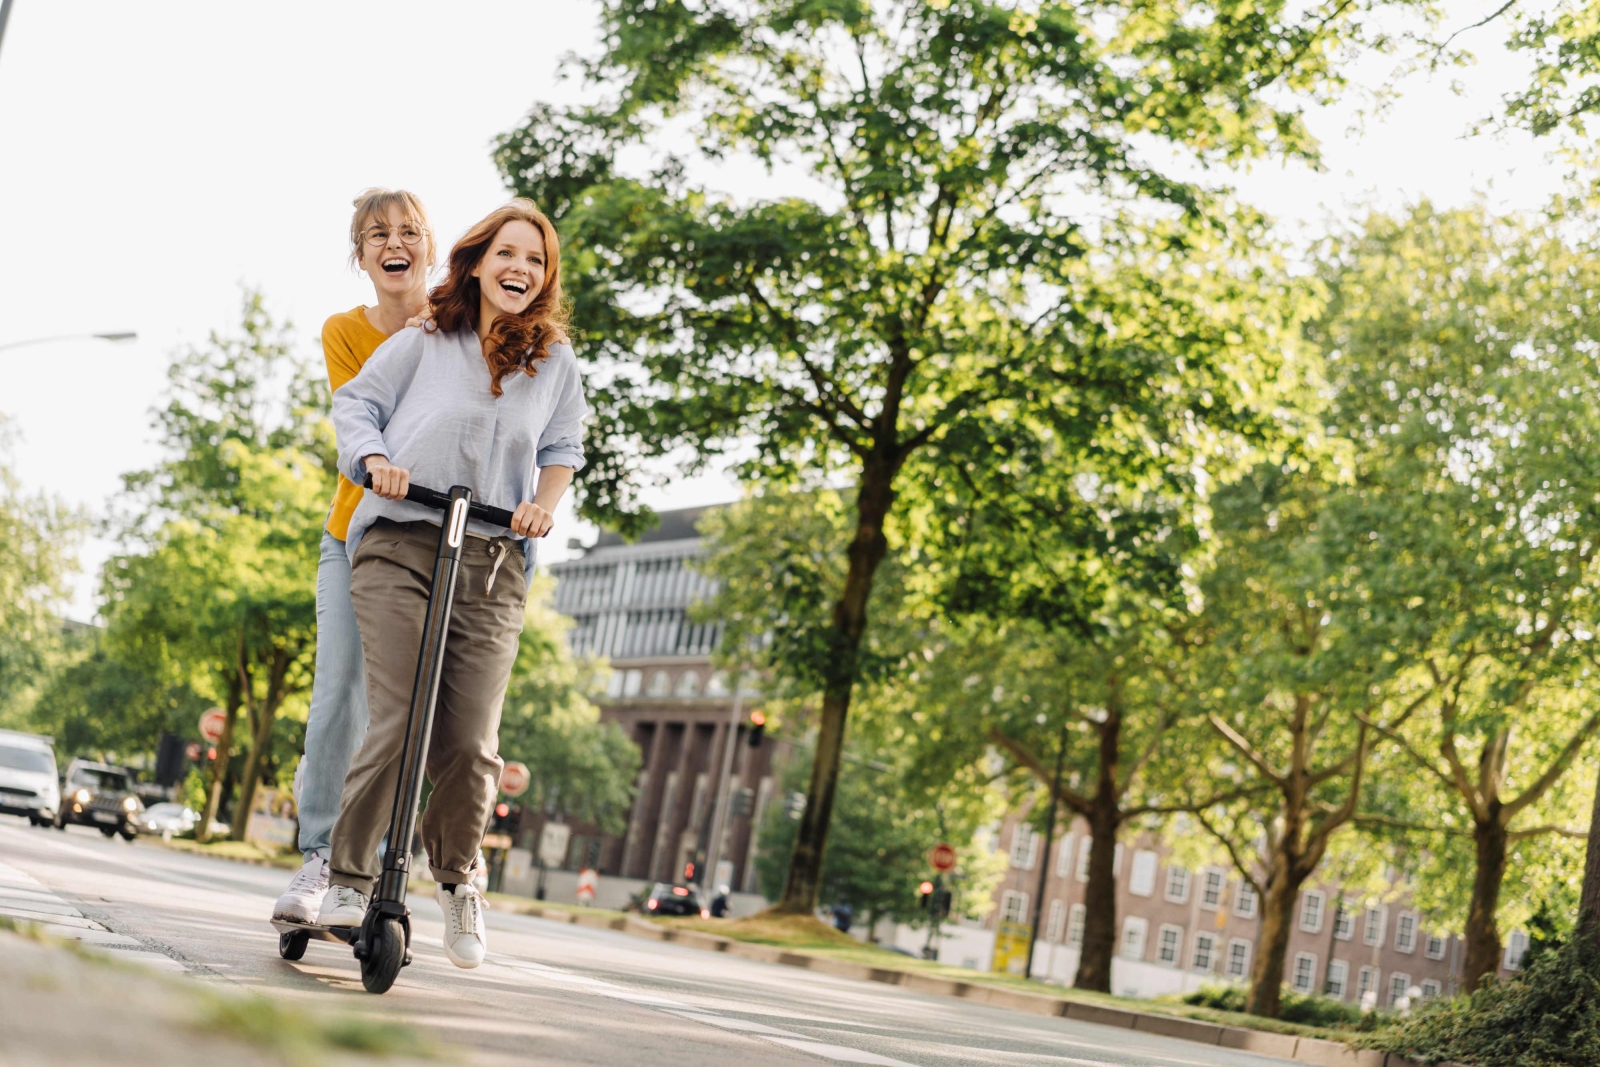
{"type": "Point", "coordinates": [497, 552]}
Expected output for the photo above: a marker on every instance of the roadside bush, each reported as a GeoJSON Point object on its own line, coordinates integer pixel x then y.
{"type": "Point", "coordinates": [1302, 1008]}
{"type": "Point", "coordinates": [1547, 1015]}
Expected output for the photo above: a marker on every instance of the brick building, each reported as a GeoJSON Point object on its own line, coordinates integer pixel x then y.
{"type": "Point", "coordinates": [1179, 928]}
{"type": "Point", "coordinates": [630, 603]}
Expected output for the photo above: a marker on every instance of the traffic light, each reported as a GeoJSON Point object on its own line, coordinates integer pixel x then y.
{"type": "Point", "coordinates": [758, 728]}
{"type": "Point", "coordinates": [941, 903]}
{"type": "Point", "coordinates": [501, 820]}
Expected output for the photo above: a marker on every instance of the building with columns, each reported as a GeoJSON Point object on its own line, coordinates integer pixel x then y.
{"type": "Point", "coordinates": [630, 603]}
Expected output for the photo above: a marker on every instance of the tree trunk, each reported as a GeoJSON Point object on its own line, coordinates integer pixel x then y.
{"type": "Point", "coordinates": [849, 626]}
{"type": "Point", "coordinates": [1099, 900]}
{"type": "Point", "coordinates": [1589, 902]}
{"type": "Point", "coordinates": [252, 771]}
{"type": "Point", "coordinates": [1272, 941]}
{"type": "Point", "coordinates": [1483, 934]}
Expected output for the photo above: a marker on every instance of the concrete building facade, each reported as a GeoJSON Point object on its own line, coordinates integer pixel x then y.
{"type": "Point", "coordinates": [631, 603]}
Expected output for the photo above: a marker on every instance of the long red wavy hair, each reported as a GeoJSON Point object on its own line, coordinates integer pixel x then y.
{"type": "Point", "coordinates": [515, 342]}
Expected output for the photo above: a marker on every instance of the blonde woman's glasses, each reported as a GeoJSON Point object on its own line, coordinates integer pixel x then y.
{"type": "Point", "coordinates": [377, 236]}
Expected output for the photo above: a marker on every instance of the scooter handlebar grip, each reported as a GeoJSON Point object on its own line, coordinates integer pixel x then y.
{"type": "Point", "coordinates": [432, 498]}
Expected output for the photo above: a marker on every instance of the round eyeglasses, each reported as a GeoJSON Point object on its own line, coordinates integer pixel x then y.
{"type": "Point", "coordinates": [377, 235]}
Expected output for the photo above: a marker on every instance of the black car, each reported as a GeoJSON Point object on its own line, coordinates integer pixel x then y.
{"type": "Point", "coordinates": [101, 796]}
{"type": "Point", "coordinates": [667, 899]}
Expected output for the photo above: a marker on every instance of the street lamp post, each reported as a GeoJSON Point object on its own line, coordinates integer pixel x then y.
{"type": "Point", "coordinates": [117, 337]}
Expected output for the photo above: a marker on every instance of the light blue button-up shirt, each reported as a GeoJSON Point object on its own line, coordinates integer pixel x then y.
{"type": "Point", "coordinates": [423, 400]}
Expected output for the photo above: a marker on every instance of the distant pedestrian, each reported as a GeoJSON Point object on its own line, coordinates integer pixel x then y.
{"type": "Point", "coordinates": [391, 242]}
{"type": "Point", "coordinates": [843, 915]}
{"type": "Point", "coordinates": [719, 903]}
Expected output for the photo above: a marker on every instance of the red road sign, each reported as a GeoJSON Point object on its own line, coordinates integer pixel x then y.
{"type": "Point", "coordinates": [212, 721]}
{"type": "Point", "coordinates": [942, 856]}
{"type": "Point", "coordinates": [193, 751]}
{"type": "Point", "coordinates": [514, 779]}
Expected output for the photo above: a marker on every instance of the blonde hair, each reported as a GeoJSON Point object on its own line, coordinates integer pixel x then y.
{"type": "Point", "coordinates": [374, 203]}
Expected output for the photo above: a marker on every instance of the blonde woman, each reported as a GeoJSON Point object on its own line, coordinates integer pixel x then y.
{"type": "Point", "coordinates": [392, 243]}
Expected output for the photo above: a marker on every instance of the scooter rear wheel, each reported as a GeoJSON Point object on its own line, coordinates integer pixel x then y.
{"type": "Point", "coordinates": [292, 946]}
{"type": "Point", "coordinates": [386, 954]}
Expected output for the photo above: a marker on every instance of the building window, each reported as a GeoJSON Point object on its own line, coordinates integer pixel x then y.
{"type": "Point", "coordinates": [631, 683]}
{"type": "Point", "coordinates": [1212, 883]}
{"type": "Point", "coordinates": [1244, 902]}
{"type": "Point", "coordinates": [1169, 944]}
{"type": "Point", "coordinates": [1366, 981]}
{"type": "Point", "coordinates": [1178, 885]}
{"type": "Point", "coordinates": [1372, 926]}
{"type": "Point", "coordinates": [1064, 857]}
{"type": "Point", "coordinates": [614, 685]}
{"type": "Point", "coordinates": [1013, 907]}
{"type": "Point", "coordinates": [660, 684]}
{"type": "Point", "coordinates": [1238, 959]}
{"type": "Point", "coordinates": [1075, 917]}
{"type": "Point", "coordinates": [1338, 978]}
{"type": "Point", "coordinates": [1434, 947]}
{"type": "Point", "coordinates": [717, 685]}
{"type": "Point", "coordinates": [1405, 932]}
{"type": "Point", "coordinates": [1134, 931]}
{"type": "Point", "coordinates": [1142, 879]}
{"type": "Point", "coordinates": [1058, 919]}
{"type": "Point", "coordinates": [688, 685]}
{"type": "Point", "coordinates": [1311, 903]}
{"type": "Point", "coordinates": [1344, 922]}
{"type": "Point", "coordinates": [1430, 988]}
{"type": "Point", "coordinates": [1205, 952]}
{"type": "Point", "coordinates": [1024, 847]}
{"type": "Point", "coordinates": [1516, 948]}
{"type": "Point", "coordinates": [1116, 862]}
{"type": "Point", "coordinates": [1398, 984]}
{"type": "Point", "coordinates": [1304, 976]}
{"type": "Point", "coordinates": [1084, 848]}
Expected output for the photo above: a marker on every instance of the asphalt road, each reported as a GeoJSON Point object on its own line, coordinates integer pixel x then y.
{"type": "Point", "coordinates": [550, 993]}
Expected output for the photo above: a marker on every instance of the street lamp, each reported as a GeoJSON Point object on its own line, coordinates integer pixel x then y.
{"type": "Point", "coordinates": [114, 337]}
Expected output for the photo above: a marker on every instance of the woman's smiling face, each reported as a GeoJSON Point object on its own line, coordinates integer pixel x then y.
{"type": "Point", "coordinates": [511, 272]}
{"type": "Point", "coordinates": [393, 250]}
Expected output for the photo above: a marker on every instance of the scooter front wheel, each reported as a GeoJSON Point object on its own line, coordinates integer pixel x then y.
{"type": "Point", "coordinates": [385, 955]}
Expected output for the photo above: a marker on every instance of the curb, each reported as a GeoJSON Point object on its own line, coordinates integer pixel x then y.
{"type": "Point", "coordinates": [1308, 1050]}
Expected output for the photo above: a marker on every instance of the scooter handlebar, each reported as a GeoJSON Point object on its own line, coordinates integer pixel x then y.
{"type": "Point", "coordinates": [432, 498]}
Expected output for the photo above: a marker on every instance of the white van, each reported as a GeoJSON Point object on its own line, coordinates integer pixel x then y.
{"type": "Point", "coordinates": [28, 782]}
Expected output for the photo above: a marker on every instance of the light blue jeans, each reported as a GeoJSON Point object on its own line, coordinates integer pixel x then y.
{"type": "Point", "coordinates": [338, 718]}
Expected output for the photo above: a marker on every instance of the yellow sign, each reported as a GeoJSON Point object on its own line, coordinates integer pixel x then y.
{"type": "Point", "coordinates": [1011, 948]}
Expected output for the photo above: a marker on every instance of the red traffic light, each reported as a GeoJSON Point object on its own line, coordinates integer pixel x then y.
{"type": "Point", "coordinates": [757, 719]}
{"type": "Point", "coordinates": [925, 888]}
{"type": "Point", "coordinates": [502, 809]}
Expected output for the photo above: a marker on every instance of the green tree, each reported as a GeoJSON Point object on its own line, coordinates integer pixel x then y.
{"type": "Point", "coordinates": [577, 764]}
{"type": "Point", "coordinates": [218, 588]}
{"type": "Point", "coordinates": [1467, 379]}
{"type": "Point", "coordinates": [970, 160]}
{"type": "Point", "coordinates": [39, 538]}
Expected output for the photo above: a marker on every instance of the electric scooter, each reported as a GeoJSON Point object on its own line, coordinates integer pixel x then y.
{"type": "Point", "coordinates": [383, 940]}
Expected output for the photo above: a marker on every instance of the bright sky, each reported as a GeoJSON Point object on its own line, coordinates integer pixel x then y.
{"type": "Point", "coordinates": [154, 157]}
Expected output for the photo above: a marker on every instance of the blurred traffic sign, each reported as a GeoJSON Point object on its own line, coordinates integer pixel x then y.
{"type": "Point", "coordinates": [192, 753]}
{"type": "Point", "coordinates": [588, 882]}
{"type": "Point", "coordinates": [942, 857]}
{"type": "Point", "coordinates": [514, 779]}
{"type": "Point", "coordinates": [553, 843]}
{"type": "Point", "coordinates": [212, 722]}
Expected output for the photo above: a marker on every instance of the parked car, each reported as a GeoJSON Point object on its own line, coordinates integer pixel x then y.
{"type": "Point", "coordinates": [101, 796]}
{"type": "Point", "coordinates": [169, 820]}
{"type": "Point", "coordinates": [28, 783]}
{"type": "Point", "coordinates": [667, 899]}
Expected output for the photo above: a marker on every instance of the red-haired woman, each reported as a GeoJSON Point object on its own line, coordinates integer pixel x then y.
{"type": "Point", "coordinates": [490, 398]}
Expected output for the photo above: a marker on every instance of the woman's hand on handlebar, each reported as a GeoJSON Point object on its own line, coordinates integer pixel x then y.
{"type": "Point", "coordinates": [388, 481]}
{"type": "Point", "coordinates": [530, 520]}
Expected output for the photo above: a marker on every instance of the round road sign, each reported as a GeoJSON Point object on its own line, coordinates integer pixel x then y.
{"type": "Point", "coordinates": [942, 857]}
{"type": "Point", "coordinates": [514, 779]}
{"type": "Point", "coordinates": [212, 722]}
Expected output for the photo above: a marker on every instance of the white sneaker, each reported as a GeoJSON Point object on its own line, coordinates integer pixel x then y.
{"type": "Point", "coordinates": [300, 901]}
{"type": "Point", "coordinates": [342, 906]}
{"type": "Point", "coordinates": [465, 939]}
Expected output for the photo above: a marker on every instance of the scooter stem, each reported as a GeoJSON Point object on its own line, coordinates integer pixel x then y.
{"type": "Point", "coordinates": [424, 696]}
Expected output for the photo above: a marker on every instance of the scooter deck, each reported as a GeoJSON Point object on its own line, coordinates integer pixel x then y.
{"type": "Point", "coordinates": [343, 934]}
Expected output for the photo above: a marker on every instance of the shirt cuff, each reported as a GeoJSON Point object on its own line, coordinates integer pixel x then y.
{"type": "Point", "coordinates": [559, 457]}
